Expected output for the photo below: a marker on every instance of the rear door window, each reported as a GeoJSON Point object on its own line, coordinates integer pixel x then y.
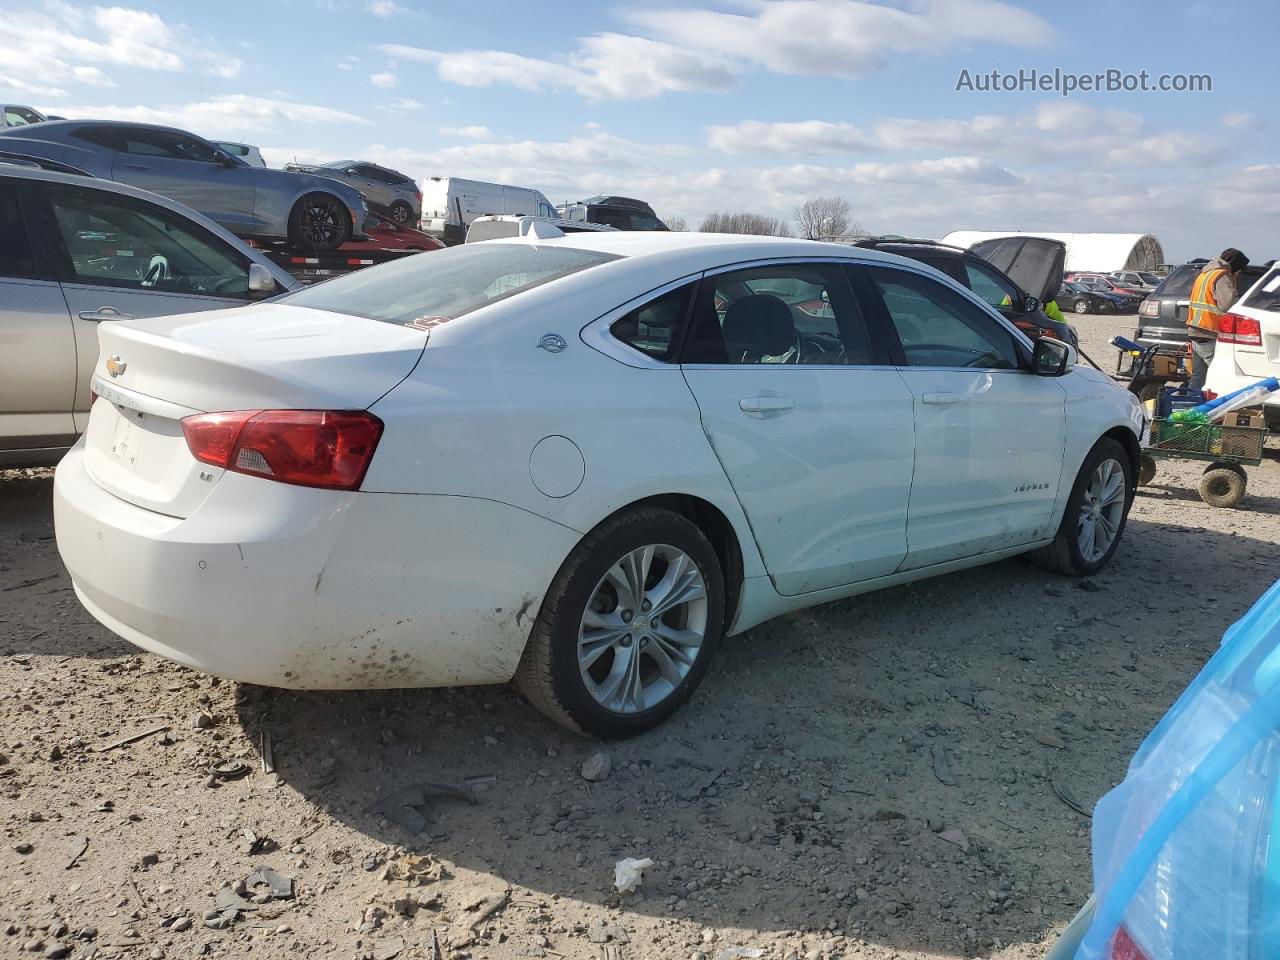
{"type": "Point", "coordinates": [161, 143]}
{"type": "Point", "coordinates": [424, 291]}
{"type": "Point", "coordinates": [801, 313]}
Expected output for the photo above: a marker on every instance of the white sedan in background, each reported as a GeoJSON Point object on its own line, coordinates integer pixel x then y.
{"type": "Point", "coordinates": [576, 461]}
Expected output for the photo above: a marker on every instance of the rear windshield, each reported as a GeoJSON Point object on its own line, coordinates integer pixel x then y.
{"type": "Point", "coordinates": [1178, 282]}
{"type": "Point", "coordinates": [428, 288]}
{"type": "Point", "coordinates": [1266, 295]}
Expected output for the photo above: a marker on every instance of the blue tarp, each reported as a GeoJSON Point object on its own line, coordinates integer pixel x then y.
{"type": "Point", "coordinates": [1183, 857]}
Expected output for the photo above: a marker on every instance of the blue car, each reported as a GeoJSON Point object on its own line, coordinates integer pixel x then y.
{"type": "Point", "coordinates": [311, 212]}
{"type": "Point", "coordinates": [1186, 850]}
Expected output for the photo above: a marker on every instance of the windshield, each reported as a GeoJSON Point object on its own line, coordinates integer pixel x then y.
{"type": "Point", "coordinates": [422, 291]}
{"type": "Point", "coordinates": [1178, 283]}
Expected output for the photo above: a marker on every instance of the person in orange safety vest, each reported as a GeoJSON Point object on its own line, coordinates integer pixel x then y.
{"type": "Point", "coordinates": [1212, 295]}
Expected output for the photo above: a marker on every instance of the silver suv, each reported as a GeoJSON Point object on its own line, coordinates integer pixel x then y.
{"type": "Point", "coordinates": [313, 213]}
{"type": "Point", "coordinates": [388, 191]}
{"type": "Point", "coordinates": [76, 252]}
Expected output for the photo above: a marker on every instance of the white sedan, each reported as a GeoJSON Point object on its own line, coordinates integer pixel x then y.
{"type": "Point", "coordinates": [576, 461]}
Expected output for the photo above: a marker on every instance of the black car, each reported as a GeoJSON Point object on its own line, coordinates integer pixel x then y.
{"type": "Point", "coordinates": [621, 213]}
{"type": "Point", "coordinates": [1162, 317]}
{"type": "Point", "coordinates": [1077, 298]}
{"type": "Point", "coordinates": [1038, 262]}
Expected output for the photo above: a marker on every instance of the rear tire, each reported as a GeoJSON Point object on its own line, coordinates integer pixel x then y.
{"type": "Point", "coordinates": [319, 222]}
{"type": "Point", "coordinates": [1223, 486]}
{"type": "Point", "coordinates": [1081, 306]}
{"type": "Point", "coordinates": [1067, 554]}
{"type": "Point", "coordinates": [568, 676]}
{"type": "Point", "coordinates": [401, 212]}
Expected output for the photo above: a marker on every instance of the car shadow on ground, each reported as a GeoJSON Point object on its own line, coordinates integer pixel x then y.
{"type": "Point", "coordinates": [908, 767]}
{"type": "Point", "coordinates": [1252, 502]}
{"type": "Point", "coordinates": [40, 613]}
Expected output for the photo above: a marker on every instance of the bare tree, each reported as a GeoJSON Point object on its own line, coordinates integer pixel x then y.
{"type": "Point", "coordinates": [745, 222]}
{"type": "Point", "coordinates": [678, 224]}
{"type": "Point", "coordinates": [825, 217]}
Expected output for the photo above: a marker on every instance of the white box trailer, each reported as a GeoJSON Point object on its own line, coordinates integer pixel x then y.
{"type": "Point", "coordinates": [449, 204]}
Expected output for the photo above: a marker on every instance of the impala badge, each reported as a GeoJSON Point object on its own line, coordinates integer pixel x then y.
{"type": "Point", "coordinates": [115, 366]}
{"type": "Point", "coordinates": [552, 343]}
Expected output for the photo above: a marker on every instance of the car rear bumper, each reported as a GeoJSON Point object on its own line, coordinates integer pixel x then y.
{"type": "Point", "coordinates": [312, 589]}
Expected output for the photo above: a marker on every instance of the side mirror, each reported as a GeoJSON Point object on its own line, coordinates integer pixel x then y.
{"type": "Point", "coordinates": [1052, 358]}
{"type": "Point", "coordinates": [1032, 304]}
{"type": "Point", "coordinates": [261, 282]}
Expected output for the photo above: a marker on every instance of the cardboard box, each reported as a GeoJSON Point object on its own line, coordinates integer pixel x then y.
{"type": "Point", "coordinates": [1248, 417]}
{"type": "Point", "coordinates": [1165, 366]}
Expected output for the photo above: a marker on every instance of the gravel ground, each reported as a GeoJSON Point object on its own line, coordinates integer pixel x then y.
{"type": "Point", "coordinates": [893, 776]}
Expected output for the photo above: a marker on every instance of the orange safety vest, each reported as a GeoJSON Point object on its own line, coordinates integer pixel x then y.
{"type": "Point", "coordinates": [1204, 311]}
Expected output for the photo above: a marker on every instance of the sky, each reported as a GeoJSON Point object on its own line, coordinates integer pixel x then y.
{"type": "Point", "coordinates": [721, 105]}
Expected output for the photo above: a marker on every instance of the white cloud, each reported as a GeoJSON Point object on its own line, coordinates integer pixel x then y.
{"type": "Point", "coordinates": [803, 136]}
{"type": "Point", "coordinates": [382, 8]}
{"type": "Point", "coordinates": [844, 37]}
{"type": "Point", "coordinates": [700, 49]}
{"type": "Point", "coordinates": [404, 105]}
{"type": "Point", "coordinates": [1053, 132]}
{"type": "Point", "coordinates": [471, 133]}
{"type": "Point", "coordinates": [1239, 120]}
{"type": "Point", "coordinates": [385, 80]}
{"type": "Point", "coordinates": [348, 63]}
{"type": "Point", "coordinates": [218, 116]}
{"type": "Point", "coordinates": [61, 46]}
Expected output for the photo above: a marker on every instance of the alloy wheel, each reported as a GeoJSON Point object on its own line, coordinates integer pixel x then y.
{"type": "Point", "coordinates": [643, 628]}
{"type": "Point", "coordinates": [1101, 510]}
{"type": "Point", "coordinates": [321, 221]}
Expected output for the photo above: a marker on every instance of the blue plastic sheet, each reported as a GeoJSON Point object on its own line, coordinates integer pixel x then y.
{"type": "Point", "coordinates": [1183, 859]}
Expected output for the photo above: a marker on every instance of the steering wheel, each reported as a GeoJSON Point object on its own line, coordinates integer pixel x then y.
{"type": "Point", "coordinates": [159, 270]}
{"type": "Point", "coordinates": [811, 350]}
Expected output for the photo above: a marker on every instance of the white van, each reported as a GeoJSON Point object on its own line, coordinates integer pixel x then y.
{"type": "Point", "coordinates": [449, 204]}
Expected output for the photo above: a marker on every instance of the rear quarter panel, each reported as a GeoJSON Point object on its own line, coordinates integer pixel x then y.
{"type": "Point", "coordinates": [466, 421]}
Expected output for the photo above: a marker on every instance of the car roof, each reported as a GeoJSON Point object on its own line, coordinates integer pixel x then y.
{"type": "Point", "coordinates": [124, 190]}
{"type": "Point", "coordinates": [47, 127]}
{"type": "Point", "coordinates": [723, 247]}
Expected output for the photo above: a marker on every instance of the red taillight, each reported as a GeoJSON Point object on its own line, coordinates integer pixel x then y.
{"type": "Point", "coordinates": [1246, 331]}
{"type": "Point", "coordinates": [1123, 947]}
{"type": "Point", "coordinates": [311, 448]}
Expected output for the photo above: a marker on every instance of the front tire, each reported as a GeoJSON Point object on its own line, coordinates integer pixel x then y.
{"type": "Point", "coordinates": [1081, 306]}
{"type": "Point", "coordinates": [1096, 513]}
{"type": "Point", "coordinates": [628, 627]}
{"type": "Point", "coordinates": [319, 222]}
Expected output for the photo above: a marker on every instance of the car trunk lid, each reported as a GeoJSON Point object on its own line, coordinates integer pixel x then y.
{"type": "Point", "coordinates": [153, 373]}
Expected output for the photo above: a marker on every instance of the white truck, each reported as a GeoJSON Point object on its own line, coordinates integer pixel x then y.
{"type": "Point", "coordinates": [449, 204]}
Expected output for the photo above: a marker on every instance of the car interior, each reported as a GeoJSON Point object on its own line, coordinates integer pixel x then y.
{"type": "Point", "coordinates": [126, 246]}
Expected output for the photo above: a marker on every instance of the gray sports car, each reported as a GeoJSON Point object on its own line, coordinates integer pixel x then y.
{"type": "Point", "coordinates": [312, 212]}
{"type": "Point", "coordinates": [388, 191]}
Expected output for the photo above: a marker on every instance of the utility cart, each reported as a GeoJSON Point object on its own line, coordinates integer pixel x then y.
{"type": "Point", "coordinates": [1145, 370]}
{"type": "Point", "coordinates": [1226, 449]}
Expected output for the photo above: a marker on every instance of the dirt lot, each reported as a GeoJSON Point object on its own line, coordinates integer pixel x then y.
{"type": "Point", "coordinates": [891, 776]}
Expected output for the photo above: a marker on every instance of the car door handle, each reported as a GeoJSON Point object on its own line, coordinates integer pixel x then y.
{"type": "Point", "coordinates": [104, 313]}
{"type": "Point", "coordinates": [942, 399]}
{"type": "Point", "coordinates": [765, 406]}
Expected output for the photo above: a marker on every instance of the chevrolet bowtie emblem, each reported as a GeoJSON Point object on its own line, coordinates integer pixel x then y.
{"type": "Point", "coordinates": [115, 366]}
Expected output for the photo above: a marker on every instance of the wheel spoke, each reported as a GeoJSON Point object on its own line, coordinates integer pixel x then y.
{"type": "Point", "coordinates": [1089, 530]}
{"type": "Point", "coordinates": [685, 586]}
{"type": "Point", "coordinates": [591, 650]}
{"type": "Point", "coordinates": [666, 661]}
{"type": "Point", "coordinates": [682, 644]}
{"type": "Point", "coordinates": [612, 690]}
